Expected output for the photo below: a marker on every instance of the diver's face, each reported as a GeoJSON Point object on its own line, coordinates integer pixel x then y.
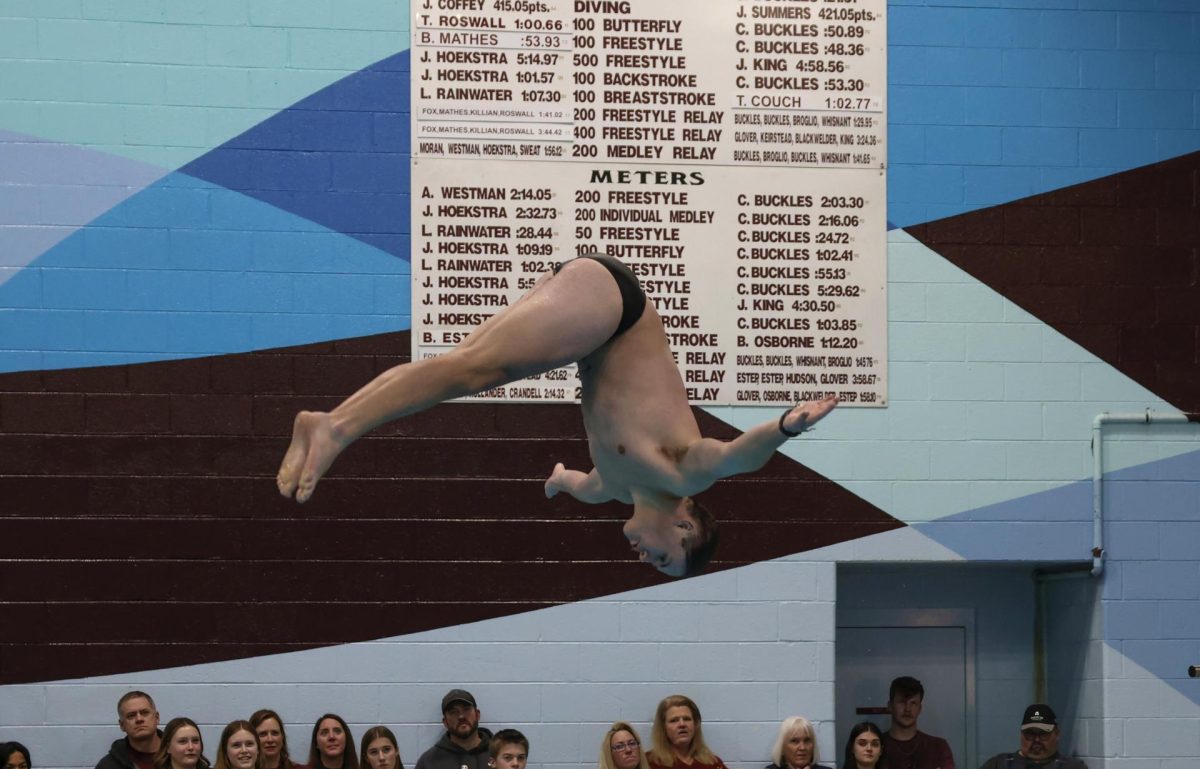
{"type": "Point", "coordinates": [662, 540]}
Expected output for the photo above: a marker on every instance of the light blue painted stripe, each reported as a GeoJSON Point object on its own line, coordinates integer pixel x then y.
{"type": "Point", "coordinates": [1024, 528]}
{"type": "Point", "coordinates": [71, 186]}
{"type": "Point", "coordinates": [1010, 434]}
{"type": "Point", "coordinates": [185, 268]}
{"type": "Point", "coordinates": [177, 63]}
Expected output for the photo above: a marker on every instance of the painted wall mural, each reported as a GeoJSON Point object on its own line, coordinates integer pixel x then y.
{"type": "Point", "coordinates": [204, 227]}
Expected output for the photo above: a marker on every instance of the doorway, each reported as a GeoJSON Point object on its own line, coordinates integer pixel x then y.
{"type": "Point", "coordinates": [937, 647]}
{"type": "Point", "coordinates": [966, 630]}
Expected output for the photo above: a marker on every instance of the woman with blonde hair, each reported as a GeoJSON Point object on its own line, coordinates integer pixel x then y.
{"type": "Point", "coordinates": [621, 748]}
{"type": "Point", "coordinates": [796, 745]}
{"type": "Point", "coordinates": [678, 737]}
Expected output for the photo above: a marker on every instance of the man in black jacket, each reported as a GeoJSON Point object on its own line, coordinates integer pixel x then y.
{"type": "Point", "coordinates": [465, 743]}
{"type": "Point", "coordinates": [138, 718]}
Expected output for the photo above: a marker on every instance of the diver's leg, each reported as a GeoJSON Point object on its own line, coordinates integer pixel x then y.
{"type": "Point", "coordinates": [564, 318]}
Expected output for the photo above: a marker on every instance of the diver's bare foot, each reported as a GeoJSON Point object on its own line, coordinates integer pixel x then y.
{"type": "Point", "coordinates": [552, 486]}
{"type": "Point", "coordinates": [804, 415]}
{"type": "Point", "coordinates": [313, 450]}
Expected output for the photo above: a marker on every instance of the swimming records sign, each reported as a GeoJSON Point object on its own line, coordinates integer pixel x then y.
{"type": "Point", "coordinates": [735, 161]}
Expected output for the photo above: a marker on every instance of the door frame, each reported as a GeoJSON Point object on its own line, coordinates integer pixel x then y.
{"type": "Point", "coordinates": [908, 618]}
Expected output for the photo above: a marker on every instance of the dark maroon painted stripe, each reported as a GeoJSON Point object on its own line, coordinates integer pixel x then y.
{"type": "Point", "coordinates": [1113, 264]}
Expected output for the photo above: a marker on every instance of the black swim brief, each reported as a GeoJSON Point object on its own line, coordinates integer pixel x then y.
{"type": "Point", "coordinates": [633, 298]}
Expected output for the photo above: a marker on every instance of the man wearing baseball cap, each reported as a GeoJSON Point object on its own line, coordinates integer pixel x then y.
{"type": "Point", "coordinates": [465, 743]}
{"type": "Point", "coordinates": [1039, 744]}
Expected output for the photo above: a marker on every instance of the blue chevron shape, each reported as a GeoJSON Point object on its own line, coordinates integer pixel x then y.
{"type": "Point", "coordinates": [187, 268]}
{"type": "Point", "coordinates": [339, 157]}
{"type": "Point", "coordinates": [1151, 521]}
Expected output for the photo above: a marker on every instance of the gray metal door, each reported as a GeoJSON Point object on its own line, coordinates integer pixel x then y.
{"type": "Point", "coordinates": [873, 647]}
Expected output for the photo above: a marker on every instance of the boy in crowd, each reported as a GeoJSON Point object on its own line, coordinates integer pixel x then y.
{"type": "Point", "coordinates": [509, 750]}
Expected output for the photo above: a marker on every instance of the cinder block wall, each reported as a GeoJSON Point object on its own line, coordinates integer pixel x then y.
{"type": "Point", "coordinates": [750, 646]}
{"type": "Point", "coordinates": [1003, 346]}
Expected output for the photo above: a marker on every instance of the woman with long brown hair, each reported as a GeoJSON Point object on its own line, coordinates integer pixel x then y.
{"type": "Point", "coordinates": [864, 748]}
{"type": "Point", "coordinates": [379, 750]}
{"type": "Point", "coordinates": [272, 739]}
{"type": "Point", "coordinates": [332, 744]}
{"type": "Point", "coordinates": [181, 747]}
{"type": "Point", "coordinates": [239, 748]}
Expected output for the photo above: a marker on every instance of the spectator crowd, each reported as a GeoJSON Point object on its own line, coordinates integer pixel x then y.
{"type": "Point", "coordinates": [676, 742]}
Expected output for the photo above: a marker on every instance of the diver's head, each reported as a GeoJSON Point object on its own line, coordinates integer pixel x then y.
{"type": "Point", "coordinates": [678, 541]}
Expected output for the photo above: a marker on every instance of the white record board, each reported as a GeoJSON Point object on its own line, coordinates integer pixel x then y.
{"type": "Point", "coordinates": [731, 152]}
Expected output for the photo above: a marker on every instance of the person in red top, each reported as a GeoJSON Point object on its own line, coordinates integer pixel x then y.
{"type": "Point", "coordinates": [905, 746]}
{"type": "Point", "coordinates": [678, 739]}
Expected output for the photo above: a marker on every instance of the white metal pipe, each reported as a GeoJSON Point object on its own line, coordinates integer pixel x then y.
{"type": "Point", "coordinates": [1147, 417]}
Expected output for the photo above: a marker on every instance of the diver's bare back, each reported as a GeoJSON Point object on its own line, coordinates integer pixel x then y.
{"type": "Point", "coordinates": [636, 413]}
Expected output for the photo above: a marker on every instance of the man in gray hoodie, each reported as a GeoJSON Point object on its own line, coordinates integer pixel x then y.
{"type": "Point", "coordinates": [465, 743]}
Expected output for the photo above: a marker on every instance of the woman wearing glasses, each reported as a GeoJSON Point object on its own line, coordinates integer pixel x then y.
{"type": "Point", "coordinates": [621, 748]}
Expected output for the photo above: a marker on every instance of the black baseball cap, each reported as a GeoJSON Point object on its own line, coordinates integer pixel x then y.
{"type": "Point", "coordinates": [1039, 716]}
{"type": "Point", "coordinates": [457, 695]}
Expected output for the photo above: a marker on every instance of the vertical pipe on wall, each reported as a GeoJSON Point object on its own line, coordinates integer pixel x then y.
{"type": "Point", "coordinates": [1039, 638]}
{"type": "Point", "coordinates": [1098, 422]}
